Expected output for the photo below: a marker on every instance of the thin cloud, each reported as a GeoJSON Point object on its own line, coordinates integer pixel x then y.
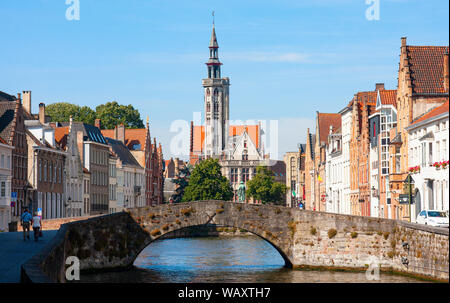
{"type": "Point", "coordinates": [291, 57]}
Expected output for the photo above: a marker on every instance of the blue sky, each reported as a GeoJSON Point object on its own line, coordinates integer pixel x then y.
{"type": "Point", "coordinates": [286, 59]}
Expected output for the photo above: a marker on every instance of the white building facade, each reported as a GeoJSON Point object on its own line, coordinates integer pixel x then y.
{"type": "Point", "coordinates": [334, 173]}
{"type": "Point", "coordinates": [346, 123]}
{"type": "Point", "coordinates": [5, 185]}
{"type": "Point", "coordinates": [428, 160]}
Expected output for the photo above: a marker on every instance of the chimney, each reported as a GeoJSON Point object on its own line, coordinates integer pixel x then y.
{"type": "Point", "coordinates": [27, 101]}
{"type": "Point", "coordinates": [403, 41]}
{"type": "Point", "coordinates": [379, 86]}
{"type": "Point", "coordinates": [446, 76]}
{"type": "Point", "coordinates": [80, 144]}
{"type": "Point", "coordinates": [42, 113]}
{"type": "Point", "coordinates": [121, 133]}
{"type": "Point", "coordinates": [98, 123]}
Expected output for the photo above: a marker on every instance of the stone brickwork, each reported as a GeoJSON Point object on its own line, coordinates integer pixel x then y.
{"type": "Point", "coordinates": [303, 238]}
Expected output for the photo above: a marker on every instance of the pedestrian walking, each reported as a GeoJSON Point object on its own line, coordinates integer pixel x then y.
{"type": "Point", "coordinates": [37, 225]}
{"type": "Point", "coordinates": [25, 221]}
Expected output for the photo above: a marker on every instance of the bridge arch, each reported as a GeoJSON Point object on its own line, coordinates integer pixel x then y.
{"type": "Point", "coordinates": [287, 261]}
{"type": "Point", "coordinates": [264, 221]}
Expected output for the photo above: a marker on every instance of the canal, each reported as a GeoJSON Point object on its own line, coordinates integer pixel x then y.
{"type": "Point", "coordinates": [222, 259]}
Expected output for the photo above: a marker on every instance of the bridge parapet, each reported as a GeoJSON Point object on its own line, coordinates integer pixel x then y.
{"type": "Point", "coordinates": [303, 238]}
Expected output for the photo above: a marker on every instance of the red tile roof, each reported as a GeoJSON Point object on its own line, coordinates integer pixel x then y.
{"type": "Point", "coordinates": [133, 137]}
{"type": "Point", "coordinates": [325, 120]}
{"type": "Point", "coordinates": [433, 113]}
{"type": "Point", "coordinates": [252, 130]}
{"type": "Point", "coordinates": [389, 97]}
{"type": "Point", "coordinates": [61, 134]}
{"type": "Point", "coordinates": [427, 68]}
{"type": "Point", "coordinates": [233, 130]}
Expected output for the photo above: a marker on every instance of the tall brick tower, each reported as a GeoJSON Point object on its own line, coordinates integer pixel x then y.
{"type": "Point", "coordinates": [216, 103]}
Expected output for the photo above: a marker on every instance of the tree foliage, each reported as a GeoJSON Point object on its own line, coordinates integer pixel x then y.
{"type": "Point", "coordinates": [110, 114]}
{"type": "Point", "coordinates": [207, 183]}
{"type": "Point", "coordinates": [61, 112]}
{"type": "Point", "coordinates": [113, 113]}
{"type": "Point", "coordinates": [263, 187]}
{"type": "Point", "coordinates": [181, 180]}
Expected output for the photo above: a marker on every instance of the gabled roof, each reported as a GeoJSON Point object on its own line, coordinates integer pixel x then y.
{"type": "Point", "coordinates": [7, 113]}
{"type": "Point", "coordinates": [426, 65]}
{"type": "Point", "coordinates": [325, 120]}
{"type": "Point", "coordinates": [302, 148]}
{"type": "Point", "coordinates": [90, 132]}
{"type": "Point", "coordinates": [252, 131]}
{"type": "Point", "coordinates": [388, 97]}
{"type": "Point", "coordinates": [61, 134]}
{"type": "Point", "coordinates": [122, 152]}
{"type": "Point", "coordinates": [198, 133]}
{"type": "Point", "coordinates": [432, 113]}
{"type": "Point", "coordinates": [134, 138]}
{"type": "Point", "coordinates": [6, 97]}
{"type": "Point", "coordinates": [279, 168]}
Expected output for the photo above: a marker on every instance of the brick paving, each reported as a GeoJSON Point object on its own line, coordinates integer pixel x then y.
{"type": "Point", "coordinates": [14, 252]}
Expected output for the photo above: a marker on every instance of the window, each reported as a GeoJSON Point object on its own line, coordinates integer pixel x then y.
{"type": "Point", "coordinates": [234, 175]}
{"type": "Point", "coordinates": [438, 149]}
{"type": "Point", "coordinates": [40, 170]}
{"type": "Point", "coordinates": [245, 174]}
{"type": "Point", "coordinates": [430, 153]}
{"type": "Point", "coordinates": [3, 189]}
{"type": "Point", "coordinates": [444, 149]}
{"type": "Point", "coordinates": [424, 153]}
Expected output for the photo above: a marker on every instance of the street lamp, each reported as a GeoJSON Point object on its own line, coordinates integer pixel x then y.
{"type": "Point", "coordinates": [410, 181]}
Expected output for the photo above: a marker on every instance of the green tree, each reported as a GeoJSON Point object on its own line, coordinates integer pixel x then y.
{"type": "Point", "coordinates": [263, 187]}
{"type": "Point", "coordinates": [61, 112]}
{"type": "Point", "coordinates": [206, 182]}
{"type": "Point", "coordinates": [113, 114]}
{"type": "Point", "coordinates": [182, 181]}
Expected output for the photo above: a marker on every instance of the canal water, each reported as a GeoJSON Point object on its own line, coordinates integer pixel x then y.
{"type": "Point", "coordinates": [243, 259]}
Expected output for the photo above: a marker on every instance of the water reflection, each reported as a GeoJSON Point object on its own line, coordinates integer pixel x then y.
{"type": "Point", "coordinates": [222, 259]}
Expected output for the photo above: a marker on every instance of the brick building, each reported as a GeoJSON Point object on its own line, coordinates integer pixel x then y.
{"type": "Point", "coordinates": [363, 105]}
{"type": "Point", "coordinates": [315, 160]}
{"type": "Point", "coordinates": [13, 132]}
{"type": "Point", "coordinates": [309, 171]}
{"type": "Point", "coordinates": [71, 140]}
{"type": "Point", "coordinates": [423, 84]}
{"type": "Point", "coordinates": [295, 176]}
{"type": "Point", "coordinates": [148, 154]}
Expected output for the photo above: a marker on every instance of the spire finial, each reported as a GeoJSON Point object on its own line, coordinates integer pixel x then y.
{"type": "Point", "coordinates": [213, 17]}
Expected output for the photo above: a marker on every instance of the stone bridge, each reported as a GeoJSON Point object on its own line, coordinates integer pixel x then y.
{"type": "Point", "coordinates": [305, 239]}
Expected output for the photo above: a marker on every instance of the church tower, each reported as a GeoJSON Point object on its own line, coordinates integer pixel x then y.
{"type": "Point", "coordinates": [216, 91]}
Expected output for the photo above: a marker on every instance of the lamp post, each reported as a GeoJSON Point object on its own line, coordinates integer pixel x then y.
{"type": "Point", "coordinates": [410, 182]}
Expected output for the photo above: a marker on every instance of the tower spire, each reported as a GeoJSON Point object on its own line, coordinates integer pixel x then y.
{"type": "Point", "coordinates": [213, 62]}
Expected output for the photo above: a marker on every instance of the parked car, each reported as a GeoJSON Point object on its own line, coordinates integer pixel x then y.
{"type": "Point", "coordinates": [433, 217]}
